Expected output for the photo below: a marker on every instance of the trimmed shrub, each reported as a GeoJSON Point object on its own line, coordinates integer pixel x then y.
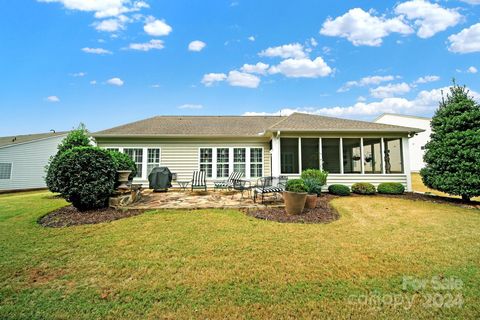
{"type": "Point", "coordinates": [314, 179]}
{"type": "Point", "coordinates": [86, 177]}
{"type": "Point", "coordinates": [122, 161]}
{"type": "Point", "coordinates": [75, 138]}
{"type": "Point", "coordinates": [296, 185]}
{"type": "Point", "coordinates": [339, 189]}
{"type": "Point", "coordinates": [363, 188]}
{"type": "Point", "coordinates": [391, 188]}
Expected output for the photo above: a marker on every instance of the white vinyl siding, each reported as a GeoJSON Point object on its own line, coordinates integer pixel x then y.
{"type": "Point", "coordinates": [28, 161]}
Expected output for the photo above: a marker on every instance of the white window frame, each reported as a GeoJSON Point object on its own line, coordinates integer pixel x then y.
{"type": "Point", "coordinates": [11, 171]}
{"type": "Point", "coordinates": [154, 163]}
{"type": "Point", "coordinates": [228, 163]}
{"type": "Point", "coordinates": [255, 162]}
{"type": "Point", "coordinates": [231, 158]}
{"type": "Point", "coordinates": [144, 148]}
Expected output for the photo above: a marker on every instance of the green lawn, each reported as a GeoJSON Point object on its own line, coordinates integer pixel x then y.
{"type": "Point", "coordinates": [222, 263]}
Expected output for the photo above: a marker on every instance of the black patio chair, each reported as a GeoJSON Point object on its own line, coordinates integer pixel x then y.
{"type": "Point", "coordinates": [266, 185]}
{"type": "Point", "coordinates": [242, 186]}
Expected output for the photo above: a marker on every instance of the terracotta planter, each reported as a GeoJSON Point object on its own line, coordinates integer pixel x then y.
{"type": "Point", "coordinates": [311, 201]}
{"type": "Point", "coordinates": [294, 202]}
{"type": "Point", "coordinates": [123, 179]}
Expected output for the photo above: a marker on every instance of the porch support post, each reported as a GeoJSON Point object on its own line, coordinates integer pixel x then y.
{"type": "Point", "coordinates": [362, 155]}
{"type": "Point", "coordinates": [275, 155]}
{"type": "Point", "coordinates": [406, 163]}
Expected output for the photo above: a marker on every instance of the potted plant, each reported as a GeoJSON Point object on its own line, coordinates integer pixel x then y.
{"type": "Point", "coordinates": [294, 196]}
{"type": "Point", "coordinates": [314, 179]}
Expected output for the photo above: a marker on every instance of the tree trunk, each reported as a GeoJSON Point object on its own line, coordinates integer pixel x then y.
{"type": "Point", "coordinates": [465, 198]}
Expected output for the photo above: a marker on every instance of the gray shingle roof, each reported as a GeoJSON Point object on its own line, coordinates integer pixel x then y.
{"type": "Point", "coordinates": [242, 126]}
{"type": "Point", "coordinates": [13, 140]}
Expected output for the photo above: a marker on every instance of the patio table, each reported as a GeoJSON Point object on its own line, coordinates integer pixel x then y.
{"type": "Point", "coordinates": [242, 186]}
{"type": "Point", "coordinates": [183, 184]}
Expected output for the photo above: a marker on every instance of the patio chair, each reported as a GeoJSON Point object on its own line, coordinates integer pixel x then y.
{"type": "Point", "coordinates": [228, 184]}
{"type": "Point", "coordinates": [266, 185]}
{"type": "Point", "coordinates": [199, 180]}
{"type": "Point", "coordinates": [242, 186]}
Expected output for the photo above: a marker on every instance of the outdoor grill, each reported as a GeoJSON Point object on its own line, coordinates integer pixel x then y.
{"type": "Point", "coordinates": [160, 179]}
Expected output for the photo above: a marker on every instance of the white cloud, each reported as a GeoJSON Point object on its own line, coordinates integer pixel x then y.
{"type": "Point", "coordinates": [241, 79]}
{"type": "Point", "coordinates": [472, 69]}
{"type": "Point", "coordinates": [259, 68]}
{"type": "Point", "coordinates": [473, 2]}
{"type": "Point", "coordinates": [466, 41]}
{"type": "Point", "coordinates": [156, 85]}
{"type": "Point", "coordinates": [196, 45]}
{"type": "Point", "coordinates": [155, 27]}
{"type": "Point", "coordinates": [390, 90]}
{"type": "Point", "coordinates": [424, 102]}
{"type": "Point", "coordinates": [251, 38]}
{"type": "Point", "coordinates": [112, 25]}
{"type": "Point", "coordinates": [96, 50]}
{"type": "Point", "coordinates": [102, 8]}
{"type": "Point", "coordinates": [313, 42]}
{"type": "Point", "coordinates": [365, 81]}
{"type": "Point", "coordinates": [93, 82]}
{"type": "Point", "coordinates": [147, 46]}
{"type": "Point", "coordinates": [210, 78]}
{"type": "Point", "coordinates": [190, 106]}
{"type": "Point", "coordinates": [293, 50]}
{"type": "Point", "coordinates": [430, 18]}
{"type": "Point", "coordinates": [115, 82]}
{"type": "Point", "coordinates": [362, 28]}
{"type": "Point", "coordinates": [427, 79]}
{"type": "Point", "coordinates": [302, 68]}
{"type": "Point", "coordinates": [52, 99]}
{"type": "Point", "coordinates": [78, 74]}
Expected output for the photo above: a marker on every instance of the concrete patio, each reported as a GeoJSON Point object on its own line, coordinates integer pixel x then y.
{"type": "Point", "coordinates": [176, 199]}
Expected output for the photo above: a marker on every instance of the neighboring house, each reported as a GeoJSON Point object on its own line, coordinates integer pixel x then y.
{"type": "Point", "coordinates": [416, 143]}
{"type": "Point", "coordinates": [265, 145]}
{"type": "Point", "coordinates": [23, 159]}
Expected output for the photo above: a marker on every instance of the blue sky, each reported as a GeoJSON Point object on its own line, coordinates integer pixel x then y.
{"type": "Point", "coordinates": [109, 62]}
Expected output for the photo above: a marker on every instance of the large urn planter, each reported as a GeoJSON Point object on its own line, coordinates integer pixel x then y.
{"type": "Point", "coordinates": [123, 179]}
{"type": "Point", "coordinates": [294, 202]}
{"type": "Point", "coordinates": [311, 201]}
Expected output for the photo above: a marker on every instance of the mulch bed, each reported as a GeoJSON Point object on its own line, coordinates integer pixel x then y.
{"type": "Point", "coordinates": [322, 213]}
{"type": "Point", "coordinates": [70, 216]}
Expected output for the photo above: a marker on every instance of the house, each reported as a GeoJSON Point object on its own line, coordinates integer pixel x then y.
{"type": "Point", "coordinates": [416, 143]}
{"type": "Point", "coordinates": [351, 151]}
{"type": "Point", "coordinates": [23, 159]}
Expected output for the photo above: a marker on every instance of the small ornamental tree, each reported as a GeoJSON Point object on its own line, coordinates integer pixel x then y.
{"type": "Point", "coordinates": [452, 155]}
{"type": "Point", "coordinates": [75, 138]}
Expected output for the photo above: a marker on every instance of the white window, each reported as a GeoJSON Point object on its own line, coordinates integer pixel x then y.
{"type": "Point", "coordinates": [223, 156]}
{"type": "Point", "coordinates": [153, 159]}
{"type": "Point", "coordinates": [240, 160]}
{"type": "Point", "coordinates": [137, 156]}
{"type": "Point", "coordinates": [5, 171]}
{"type": "Point", "coordinates": [256, 162]}
{"type": "Point", "coordinates": [113, 149]}
{"type": "Point", "coordinates": [206, 161]}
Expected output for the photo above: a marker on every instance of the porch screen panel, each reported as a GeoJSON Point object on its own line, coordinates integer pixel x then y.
{"type": "Point", "coordinates": [331, 155]}
{"type": "Point", "coordinates": [393, 155]}
{"type": "Point", "coordinates": [310, 153]}
{"type": "Point", "coordinates": [240, 160]}
{"type": "Point", "coordinates": [372, 155]}
{"type": "Point", "coordinates": [222, 162]}
{"type": "Point", "coordinates": [352, 159]}
{"type": "Point", "coordinates": [206, 161]}
{"type": "Point", "coordinates": [137, 156]}
{"type": "Point", "coordinates": [289, 155]}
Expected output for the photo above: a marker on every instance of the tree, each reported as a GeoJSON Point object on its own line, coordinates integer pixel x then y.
{"type": "Point", "coordinates": [75, 138]}
{"type": "Point", "coordinates": [452, 155]}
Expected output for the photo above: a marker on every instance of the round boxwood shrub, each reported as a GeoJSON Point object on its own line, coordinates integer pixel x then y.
{"type": "Point", "coordinates": [122, 161]}
{"type": "Point", "coordinates": [339, 189]}
{"type": "Point", "coordinates": [296, 185]}
{"type": "Point", "coordinates": [86, 177]}
{"type": "Point", "coordinates": [363, 188]}
{"type": "Point", "coordinates": [391, 188]}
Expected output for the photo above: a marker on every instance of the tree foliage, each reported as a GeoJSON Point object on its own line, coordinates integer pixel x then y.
{"type": "Point", "coordinates": [75, 138]}
{"type": "Point", "coordinates": [452, 155]}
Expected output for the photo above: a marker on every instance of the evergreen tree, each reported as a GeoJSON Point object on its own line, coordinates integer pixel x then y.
{"type": "Point", "coordinates": [452, 155]}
